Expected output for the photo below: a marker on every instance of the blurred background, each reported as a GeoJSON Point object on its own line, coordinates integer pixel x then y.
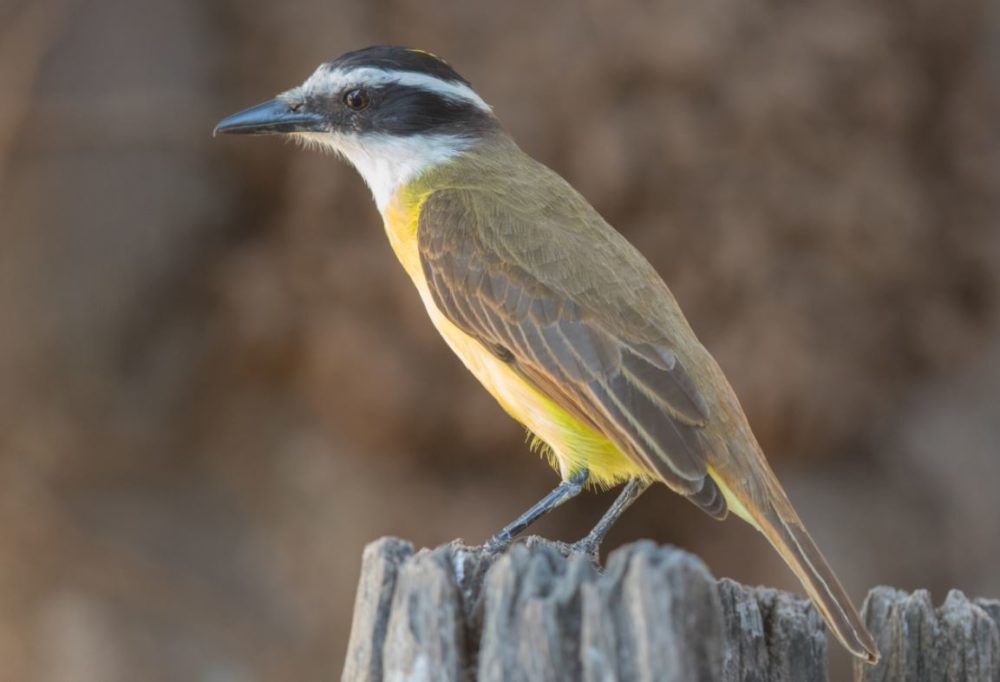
{"type": "Point", "coordinates": [216, 384]}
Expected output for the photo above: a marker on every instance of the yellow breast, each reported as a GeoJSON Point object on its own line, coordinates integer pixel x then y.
{"type": "Point", "coordinates": [573, 445]}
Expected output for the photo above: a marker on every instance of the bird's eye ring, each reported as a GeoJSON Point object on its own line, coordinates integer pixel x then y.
{"type": "Point", "coordinates": [356, 99]}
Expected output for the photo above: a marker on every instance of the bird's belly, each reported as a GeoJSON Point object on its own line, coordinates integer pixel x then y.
{"type": "Point", "coordinates": [574, 445]}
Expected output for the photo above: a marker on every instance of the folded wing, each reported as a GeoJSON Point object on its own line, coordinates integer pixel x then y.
{"type": "Point", "coordinates": [595, 357]}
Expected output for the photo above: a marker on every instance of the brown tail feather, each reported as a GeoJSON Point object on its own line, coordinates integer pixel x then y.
{"type": "Point", "coordinates": [769, 510]}
{"type": "Point", "coordinates": [786, 533]}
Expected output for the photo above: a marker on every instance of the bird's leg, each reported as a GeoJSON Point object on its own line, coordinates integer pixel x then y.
{"type": "Point", "coordinates": [571, 487]}
{"type": "Point", "coordinates": [591, 544]}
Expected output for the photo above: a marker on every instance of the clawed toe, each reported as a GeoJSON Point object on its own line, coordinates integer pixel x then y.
{"type": "Point", "coordinates": [498, 544]}
{"type": "Point", "coordinates": [582, 547]}
{"type": "Point", "coordinates": [591, 550]}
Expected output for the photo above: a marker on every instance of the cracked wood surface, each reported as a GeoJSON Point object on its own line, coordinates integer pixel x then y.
{"type": "Point", "coordinates": [456, 613]}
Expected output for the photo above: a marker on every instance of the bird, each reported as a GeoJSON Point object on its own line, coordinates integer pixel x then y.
{"type": "Point", "coordinates": [560, 318]}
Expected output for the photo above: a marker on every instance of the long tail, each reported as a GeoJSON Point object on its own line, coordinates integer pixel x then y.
{"type": "Point", "coordinates": [774, 516]}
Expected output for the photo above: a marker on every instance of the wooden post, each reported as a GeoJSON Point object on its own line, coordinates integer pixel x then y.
{"type": "Point", "coordinates": [956, 642]}
{"type": "Point", "coordinates": [456, 613]}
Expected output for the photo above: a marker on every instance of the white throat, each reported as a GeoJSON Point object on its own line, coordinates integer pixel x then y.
{"type": "Point", "coordinates": [387, 162]}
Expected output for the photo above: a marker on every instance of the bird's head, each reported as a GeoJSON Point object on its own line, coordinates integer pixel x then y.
{"type": "Point", "coordinates": [391, 111]}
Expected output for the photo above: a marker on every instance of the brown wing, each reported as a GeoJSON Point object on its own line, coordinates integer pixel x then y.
{"type": "Point", "coordinates": [529, 290]}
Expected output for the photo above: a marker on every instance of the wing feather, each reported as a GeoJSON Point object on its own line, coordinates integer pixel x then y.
{"type": "Point", "coordinates": [598, 361]}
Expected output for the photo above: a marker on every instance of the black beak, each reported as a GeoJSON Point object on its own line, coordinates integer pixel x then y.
{"type": "Point", "coordinates": [275, 116]}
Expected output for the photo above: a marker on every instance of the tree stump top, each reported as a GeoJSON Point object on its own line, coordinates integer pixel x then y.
{"type": "Point", "coordinates": [653, 613]}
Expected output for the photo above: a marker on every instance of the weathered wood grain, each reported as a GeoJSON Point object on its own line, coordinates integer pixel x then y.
{"type": "Point", "coordinates": [380, 565]}
{"type": "Point", "coordinates": [770, 636]}
{"type": "Point", "coordinates": [956, 642]}
{"type": "Point", "coordinates": [537, 613]}
{"type": "Point", "coordinates": [534, 613]}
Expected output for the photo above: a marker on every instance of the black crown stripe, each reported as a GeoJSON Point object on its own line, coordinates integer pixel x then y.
{"type": "Point", "coordinates": [395, 58]}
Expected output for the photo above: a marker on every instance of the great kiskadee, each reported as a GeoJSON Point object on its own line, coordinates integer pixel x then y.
{"type": "Point", "coordinates": [561, 319]}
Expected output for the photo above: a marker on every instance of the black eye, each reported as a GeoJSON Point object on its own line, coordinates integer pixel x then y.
{"type": "Point", "coordinates": [356, 99]}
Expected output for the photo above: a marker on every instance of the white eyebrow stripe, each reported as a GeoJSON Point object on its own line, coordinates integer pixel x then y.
{"type": "Point", "coordinates": [332, 80]}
